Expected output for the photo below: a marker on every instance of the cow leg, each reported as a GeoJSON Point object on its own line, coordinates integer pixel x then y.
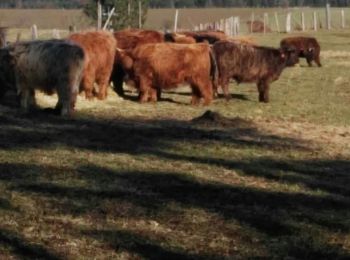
{"type": "Point", "coordinates": [159, 93]}
{"type": "Point", "coordinates": [117, 79]}
{"type": "Point", "coordinates": [317, 60]}
{"type": "Point", "coordinates": [88, 86]}
{"type": "Point", "coordinates": [263, 88]}
{"type": "Point", "coordinates": [153, 94]}
{"type": "Point", "coordinates": [309, 61]}
{"type": "Point", "coordinates": [25, 100]}
{"type": "Point", "coordinates": [31, 100]}
{"type": "Point", "coordinates": [196, 96]}
{"type": "Point", "coordinates": [207, 93]}
{"type": "Point", "coordinates": [225, 83]}
{"type": "Point", "coordinates": [66, 99]}
{"type": "Point", "coordinates": [103, 86]}
{"type": "Point", "coordinates": [145, 87]}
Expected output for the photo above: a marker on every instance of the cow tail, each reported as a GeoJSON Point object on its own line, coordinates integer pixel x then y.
{"type": "Point", "coordinates": [214, 73]}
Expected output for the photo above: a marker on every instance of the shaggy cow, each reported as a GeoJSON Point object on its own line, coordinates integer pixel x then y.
{"type": "Point", "coordinates": [50, 66]}
{"type": "Point", "coordinates": [99, 48]}
{"type": "Point", "coordinates": [127, 40]}
{"type": "Point", "coordinates": [306, 47]}
{"type": "Point", "coordinates": [165, 65]}
{"type": "Point", "coordinates": [248, 63]}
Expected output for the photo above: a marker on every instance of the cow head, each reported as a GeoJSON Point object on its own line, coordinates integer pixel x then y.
{"type": "Point", "coordinates": [7, 72]}
{"type": "Point", "coordinates": [289, 56]}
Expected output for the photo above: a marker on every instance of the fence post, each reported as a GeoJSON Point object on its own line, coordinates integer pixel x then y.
{"type": "Point", "coordinates": [109, 18]}
{"type": "Point", "coordinates": [288, 22]}
{"type": "Point", "coordinates": [315, 21]}
{"type": "Point", "coordinates": [140, 15]}
{"type": "Point", "coordinates": [227, 26]}
{"type": "Point", "coordinates": [34, 30]}
{"type": "Point", "coordinates": [18, 37]}
{"type": "Point", "coordinates": [265, 21]}
{"type": "Point", "coordinates": [277, 22]}
{"type": "Point", "coordinates": [328, 16]}
{"type": "Point", "coordinates": [175, 20]}
{"type": "Point", "coordinates": [129, 12]}
{"type": "Point", "coordinates": [56, 34]}
{"type": "Point", "coordinates": [303, 22]}
{"type": "Point", "coordinates": [342, 18]}
{"type": "Point", "coordinates": [238, 24]}
{"type": "Point", "coordinates": [252, 23]}
{"type": "Point", "coordinates": [222, 24]}
{"type": "Point", "coordinates": [3, 41]}
{"type": "Point", "coordinates": [99, 15]}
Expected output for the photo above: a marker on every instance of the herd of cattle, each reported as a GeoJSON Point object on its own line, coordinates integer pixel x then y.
{"type": "Point", "coordinates": [149, 60]}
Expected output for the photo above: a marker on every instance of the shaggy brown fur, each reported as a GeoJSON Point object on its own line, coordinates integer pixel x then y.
{"type": "Point", "coordinates": [165, 65]}
{"type": "Point", "coordinates": [51, 66]}
{"type": "Point", "coordinates": [131, 38]}
{"type": "Point", "coordinates": [127, 40]}
{"type": "Point", "coordinates": [306, 47]}
{"type": "Point", "coordinates": [247, 63]}
{"type": "Point", "coordinates": [99, 48]}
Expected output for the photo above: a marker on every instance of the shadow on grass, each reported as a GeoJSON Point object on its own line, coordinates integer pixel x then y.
{"type": "Point", "coordinates": [141, 245]}
{"type": "Point", "coordinates": [24, 249]}
{"type": "Point", "coordinates": [235, 96]}
{"type": "Point", "coordinates": [331, 176]}
{"type": "Point", "coordinates": [277, 216]}
{"type": "Point", "coordinates": [130, 136]}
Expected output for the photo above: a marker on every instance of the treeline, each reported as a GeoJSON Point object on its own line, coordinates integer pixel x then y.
{"type": "Point", "coordinates": [244, 3]}
{"type": "Point", "coordinates": [175, 3]}
{"type": "Point", "coordinates": [43, 3]}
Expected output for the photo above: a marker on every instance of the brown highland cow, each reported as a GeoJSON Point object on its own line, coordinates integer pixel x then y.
{"type": "Point", "coordinates": [306, 47]}
{"type": "Point", "coordinates": [127, 40]}
{"type": "Point", "coordinates": [165, 65]}
{"type": "Point", "coordinates": [99, 48]}
{"type": "Point", "coordinates": [248, 63]}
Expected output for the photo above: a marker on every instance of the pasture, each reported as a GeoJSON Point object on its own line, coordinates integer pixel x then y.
{"type": "Point", "coordinates": [125, 180]}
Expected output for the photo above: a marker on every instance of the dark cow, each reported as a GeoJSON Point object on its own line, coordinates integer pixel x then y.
{"type": "Point", "coordinates": [99, 48]}
{"type": "Point", "coordinates": [51, 66]}
{"type": "Point", "coordinates": [248, 63]}
{"type": "Point", "coordinates": [306, 47]}
{"type": "Point", "coordinates": [127, 40]}
{"type": "Point", "coordinates": [165, 65]}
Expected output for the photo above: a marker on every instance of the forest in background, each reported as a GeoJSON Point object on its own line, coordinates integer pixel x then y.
{"type": "Point", "coordinates": [174, 3]}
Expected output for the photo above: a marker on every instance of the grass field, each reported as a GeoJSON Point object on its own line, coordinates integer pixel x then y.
{"type": "Point", "coordinates": [121, 180]}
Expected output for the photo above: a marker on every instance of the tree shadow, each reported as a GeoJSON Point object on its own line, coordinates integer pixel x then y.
{"type": "Point", "coordinates": [273, 214]}
{"type": "Point", "coordinates": [24, 249]}
{"type": "Point", "coordinates": [331, 176]}
{"type": "Point", "coordinates": [141, 245]}
{"type": "Point", "coordinates": [132, 136]}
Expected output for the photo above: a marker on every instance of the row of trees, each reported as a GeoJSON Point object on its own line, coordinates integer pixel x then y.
{"type": "Point", "coordinates": [172, 3]}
